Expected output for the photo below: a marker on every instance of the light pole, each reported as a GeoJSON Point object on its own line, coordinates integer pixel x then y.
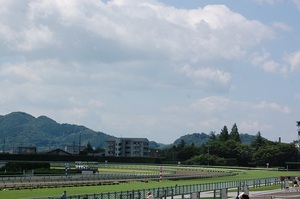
{"type": "Point", "coordinates": [208, 155]}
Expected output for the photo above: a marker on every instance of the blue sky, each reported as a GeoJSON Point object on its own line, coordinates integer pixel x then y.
{"type": "Point", "coordinates": [154, 69]}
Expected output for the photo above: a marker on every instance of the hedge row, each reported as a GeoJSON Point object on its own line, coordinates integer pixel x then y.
{"type": "Point", "coordinates": [21, 166]}
{"type": "Point", "coordinates": [73, 158]}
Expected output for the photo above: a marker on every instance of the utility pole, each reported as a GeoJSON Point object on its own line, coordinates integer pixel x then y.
{"type": "Point", "coordinates": [208, 155]}
{"type": "Point", "coordinates": [298, 125]}
{"type": "Point", "coordinates": [3, 147]}
{"type": "Point", "coordinates": [79, 147]}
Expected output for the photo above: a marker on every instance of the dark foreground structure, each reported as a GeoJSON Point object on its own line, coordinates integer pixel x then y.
{"type": "Point", "coordinates": [276, 194]}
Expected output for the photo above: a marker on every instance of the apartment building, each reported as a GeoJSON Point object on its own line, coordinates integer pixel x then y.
{"type": "Point", "coordinates": [127, 147]}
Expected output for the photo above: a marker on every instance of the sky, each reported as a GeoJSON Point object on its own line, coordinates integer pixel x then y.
{"type": "Point", "coordinates": [156, 69]}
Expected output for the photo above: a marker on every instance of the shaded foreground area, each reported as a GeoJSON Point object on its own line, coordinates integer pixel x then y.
{"type": "Point", "coordinates": [270, 194]}
{"type": "Point", "coordinates": [276, 194]}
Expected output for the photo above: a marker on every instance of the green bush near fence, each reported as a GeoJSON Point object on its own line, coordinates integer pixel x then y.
{"type": "Point", "coordinates": [17, 168]}
{"type": "Point", "coordinates": [20, 166]}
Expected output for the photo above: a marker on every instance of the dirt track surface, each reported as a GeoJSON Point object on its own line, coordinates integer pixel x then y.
{"type": "Point", "coordinates": [195, 172]}
{"type": "Point", "coordinates": [95, 179]}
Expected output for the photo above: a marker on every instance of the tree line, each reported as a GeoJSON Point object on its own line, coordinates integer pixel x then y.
{"type": "Point", "coordinates": [226, 149]}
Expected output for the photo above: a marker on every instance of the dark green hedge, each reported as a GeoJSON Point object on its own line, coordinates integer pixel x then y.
{"type": "Point", "coordinates": [73, 158]}
{"type": "Point", "coordinates": [20, 166]}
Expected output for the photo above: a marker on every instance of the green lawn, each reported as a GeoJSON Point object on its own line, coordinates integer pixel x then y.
{"type": "Point", "coordinates": [42, 192]}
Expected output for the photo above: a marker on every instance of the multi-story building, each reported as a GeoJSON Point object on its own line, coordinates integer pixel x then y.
{"type": "Point", "coordinates": [127, 147]}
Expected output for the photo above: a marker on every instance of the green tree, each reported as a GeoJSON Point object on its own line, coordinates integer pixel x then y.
{"type": "Point", "coordinates": [187, 152]}
{"type": "Point", "coordinates": [229, 149]}
{"type": "Point", "coordinates": [88, 149]}
{"type": "Point", "coordinates": [206, 159]}
{"type": "Point", "coordinates": [244, 157]}
{"type": "Point", "coordinates": [212, 136]}
{"type": "Point", "coordinates": [224, 135]}
{"type": "Point", "coordinates": [276, 154]}
{"type": "Point", "coordinates": [258, 142]}
{"type": "Point", "coordinates": [234, 134]}
{"type": "Point", "coordinates": [181, 144]}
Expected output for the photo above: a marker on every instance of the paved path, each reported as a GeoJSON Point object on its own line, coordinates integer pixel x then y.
{"type": "Point", "coordinates": [271, 194]}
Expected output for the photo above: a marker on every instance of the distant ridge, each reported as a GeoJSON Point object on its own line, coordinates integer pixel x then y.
{"type": "Point", "coordinates": [22, 129]}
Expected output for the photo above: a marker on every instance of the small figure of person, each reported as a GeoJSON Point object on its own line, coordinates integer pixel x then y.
{"type": "Point", "coordinates": [64, 195]}
{"type": "Point", "coordinates": [296, 183]}
{"type": "Point", "coordinates": [149, 195]}
{"type": "Point", "coordinates": [243, 196]}
{"type": "Point", "coordinates": [85, 197]}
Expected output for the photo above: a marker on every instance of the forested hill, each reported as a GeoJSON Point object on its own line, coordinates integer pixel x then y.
{"type": "Point", "coordinates": [197, 139]}
{"type": "Point", "coordinates": [22, 129]}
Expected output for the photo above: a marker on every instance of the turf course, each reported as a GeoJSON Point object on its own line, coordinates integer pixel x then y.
{"type": "Point", "coordinates": [241, 175]}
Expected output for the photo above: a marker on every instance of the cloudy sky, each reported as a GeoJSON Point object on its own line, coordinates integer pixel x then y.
{"type": "Point", "coordinates": [158, 69]}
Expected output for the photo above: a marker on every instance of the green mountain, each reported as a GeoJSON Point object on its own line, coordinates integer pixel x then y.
{"type": "Point", "coordinates": [21, 129]}
{"type": "Point", "coordinates": [196, 138]}
{"type": "Point", "coordinates": [200, 138]}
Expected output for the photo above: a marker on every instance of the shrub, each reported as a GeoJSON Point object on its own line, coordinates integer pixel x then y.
{"type": "Point", "coordinates": [20, 166]}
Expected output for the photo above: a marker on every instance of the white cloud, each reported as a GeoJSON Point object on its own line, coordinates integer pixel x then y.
{"type": "Point", "coordinates": [254, 126]}
{"type": "Point", "coordinates": [297, 96]}
{"type": "Point", "coordinates": [270, 2]}
{"type": "Point", "coordinates": [294, 60]}
{"type": "Point", "coordinates": [35, 38]}
{"type": "Point", "coordinates": [270, 66]}
{"type": "Point", "coordinates": [272, 106]}
{"type": "Point", "coordinates": [210, 104]}
{"type": "Point", "coordinates": [21, 72]}
{"type": "Point", "coordinates": [207, 77]}
{"type": "Point", "coordinates": [94, 34]}
{"type": "Point", "coordinates": [127, 65]}
{"type": "Point", "coordinates": [297, 3]}
{"type": "Point", "coordinates": [282, 26]}
{"type": "Point", "coordinates": [222, 105]}
{"type": "Point", "coordinates": [218, 111]}
{"type": "Point", "coordinates": [275, 2]}
{"type": "Point", "coordinates": [263, 60]}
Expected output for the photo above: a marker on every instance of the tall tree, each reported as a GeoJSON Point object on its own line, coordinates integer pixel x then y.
{"type": "Point", "coordinates": [234, 134]}
{"type": "Point", "coordinates": [89, 147]}
{"type": "Point", "coordinates": [212, 136]}
{"type": "Point", "coordinates": [224, 135]}
{"type": "Point", "coordinates": [181, 144]}
{"type": "Point", "coordinates": [258, 142]}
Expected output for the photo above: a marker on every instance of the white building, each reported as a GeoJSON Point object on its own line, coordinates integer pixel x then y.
{"type": "Point", "coordinates": [127, 147]}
